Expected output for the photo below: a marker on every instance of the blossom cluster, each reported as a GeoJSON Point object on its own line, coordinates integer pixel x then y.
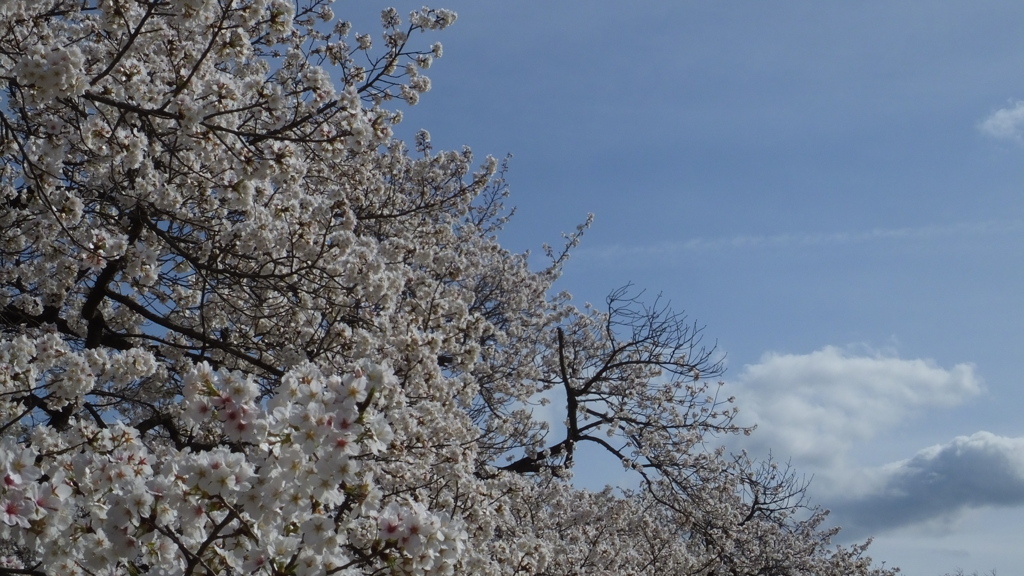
{"type": "Point", "coordinates": [287, 493]}
{"type": "Point", "coordinates": [51, 72]}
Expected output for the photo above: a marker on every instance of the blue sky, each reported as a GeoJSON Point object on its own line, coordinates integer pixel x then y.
{"type": "Point", "coordinates": [833, 189]}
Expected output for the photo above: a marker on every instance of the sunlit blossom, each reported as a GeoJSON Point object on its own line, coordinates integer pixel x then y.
{"type": "Point", "coordinates": [247, 330]}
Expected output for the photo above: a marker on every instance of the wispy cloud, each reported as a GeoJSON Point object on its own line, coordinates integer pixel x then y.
{"type": "Point", "coordinates": [1005, 123]}
{"type": "Point", "coordinates": [797, 240]}
{"type": "Point", "coordinates": [938, 483]}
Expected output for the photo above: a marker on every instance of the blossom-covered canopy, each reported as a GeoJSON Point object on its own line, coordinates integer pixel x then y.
{"type": "Point", "coordinates": [243, 329]}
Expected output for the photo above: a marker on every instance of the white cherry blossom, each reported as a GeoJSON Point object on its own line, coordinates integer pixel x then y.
{"type": "Point", "coordinates": [244, 329]}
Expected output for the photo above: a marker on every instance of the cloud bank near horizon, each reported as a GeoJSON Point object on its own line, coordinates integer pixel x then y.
{"type": "Point", "coordinates": [938, 484]}
{"type": "Point", "coordinates": [819, 408]}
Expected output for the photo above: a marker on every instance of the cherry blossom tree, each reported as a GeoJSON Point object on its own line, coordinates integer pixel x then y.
{"type": "Point", "coordinates": [245, 329]}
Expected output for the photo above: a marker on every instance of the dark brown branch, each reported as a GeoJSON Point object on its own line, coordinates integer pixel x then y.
{"type": "Point", "coordinates": [96, 324]}
{"type": "Point", "coordinates": [150, 9]}
{"type": "Point", "coordinates": [571, 402]}
{"type": "Point", "coordinates": [27, 571]}
{"type": "Point", "coordinates": [205, 339]}
{"type": "Point", "coordinates": [128, 107]}
{"type": "Point", "coordinates": [95, 415]}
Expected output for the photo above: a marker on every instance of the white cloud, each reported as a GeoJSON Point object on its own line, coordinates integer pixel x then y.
{"type": "Point", "coordinates": [938, 484]}
{"type": "Point", "coordinates": [1006, 123]}
{"type": "Point", "coordinates": [815, 407]}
